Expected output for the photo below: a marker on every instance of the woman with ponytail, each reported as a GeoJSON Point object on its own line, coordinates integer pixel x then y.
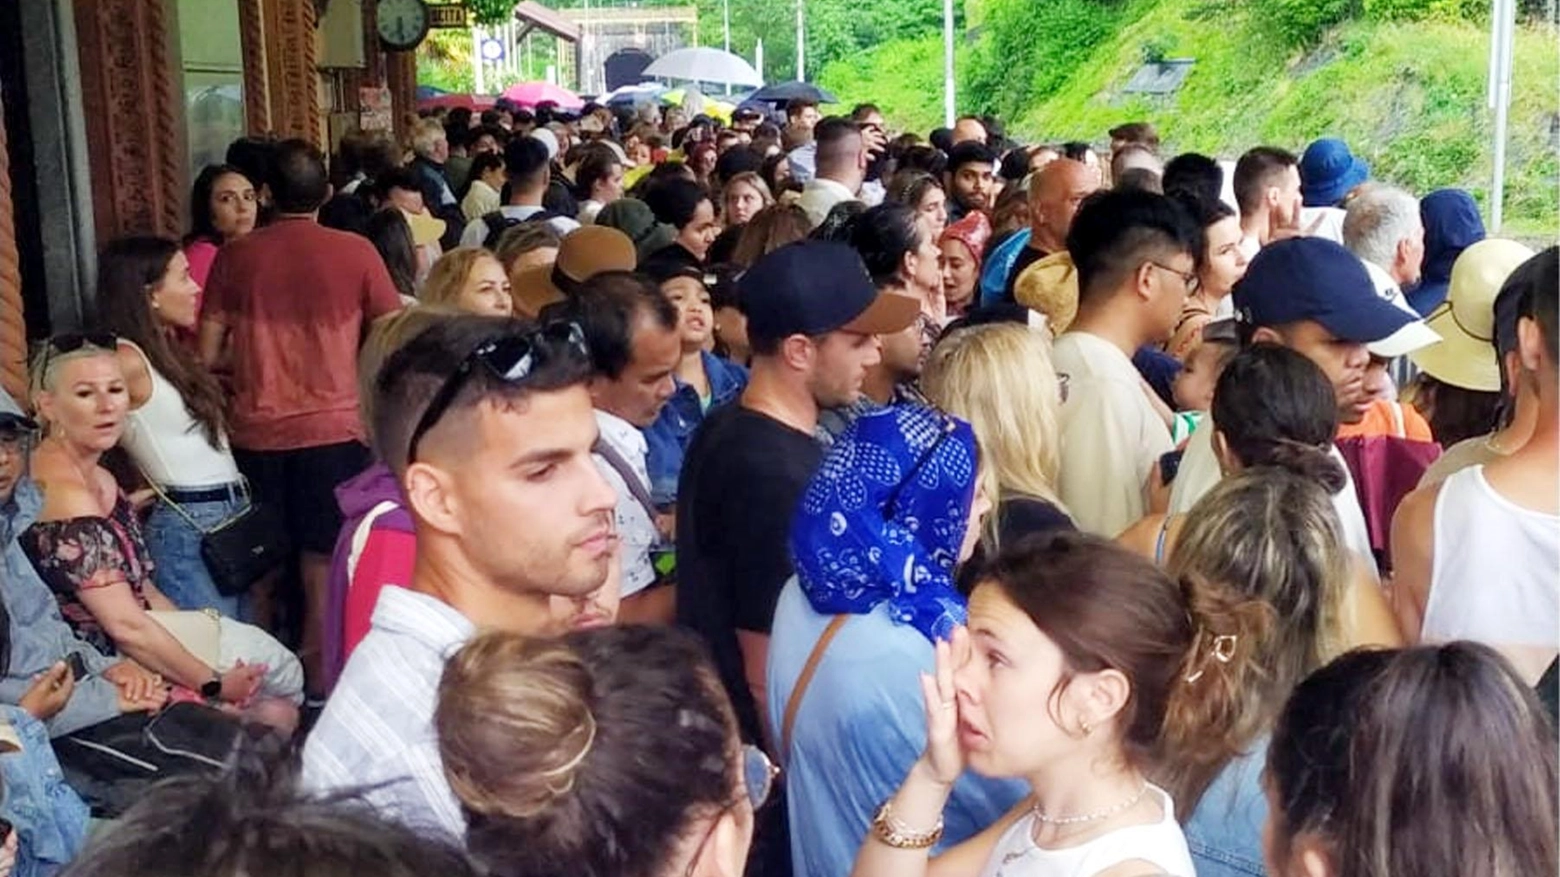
{"type": "Point", "coordinates": [1082, 668]}
{"type": "Point", "coordinates": [1271, 407]}
{"type": "Point", "coordinates": [1268, 535]}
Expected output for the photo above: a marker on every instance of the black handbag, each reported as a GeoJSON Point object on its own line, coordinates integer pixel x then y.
{"type": "Point", "coordinates": [241, 549]}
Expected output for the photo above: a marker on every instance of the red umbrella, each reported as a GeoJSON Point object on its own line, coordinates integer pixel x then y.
{"type": "Point", "coordinates": [529, 94]}
{"type": "Point", "coordinates": [476, 102]}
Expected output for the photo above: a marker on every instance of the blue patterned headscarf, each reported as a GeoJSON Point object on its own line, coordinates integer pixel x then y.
{"type": "Point", "coordinates": [853, 552]}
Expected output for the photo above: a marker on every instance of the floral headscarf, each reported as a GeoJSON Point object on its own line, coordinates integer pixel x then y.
{"type": "Point", "coordinates": [884, 518]}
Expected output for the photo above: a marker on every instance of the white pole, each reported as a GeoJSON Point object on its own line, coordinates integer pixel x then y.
{"type": "Point", "coordinates": [725, 15]}
{"type": "Point", "coordinates": [948, 84]}
{"type": "Point", "coordinates": [801, 42]}
{"type": "Point", "coordinates": [1502, 111]}
{"type": "Point", "coordinates": [1495, 19]}
{"type": "Point", "coordinates": [476, 60]}
{"type": "Point", "coordinates": [758, 58]}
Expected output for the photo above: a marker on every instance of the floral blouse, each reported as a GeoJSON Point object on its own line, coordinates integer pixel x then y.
{"type": "Point", "coordinates": [74, 554]}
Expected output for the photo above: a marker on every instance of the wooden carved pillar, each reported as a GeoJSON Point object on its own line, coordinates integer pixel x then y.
{"type": "Point", "coordinates": [281, 82]}
{"type": "Point", "coordinates": [13, 323]}
{"type": "Point", "coordinates": [134, 115]}
{"type": "Point", "coordinates": [401, 77]}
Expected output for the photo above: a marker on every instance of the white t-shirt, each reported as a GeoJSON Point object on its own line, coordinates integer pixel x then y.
{"type": "Point", "coordinates": [1161, 844]}
{"type": "Point", "coordinates": [1111, 435]}
{"type": "Point", "coordinates": [636, 529]}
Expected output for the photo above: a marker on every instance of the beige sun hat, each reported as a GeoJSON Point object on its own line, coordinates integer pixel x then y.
{"type": "Point", "coordinates": [1465, 356]}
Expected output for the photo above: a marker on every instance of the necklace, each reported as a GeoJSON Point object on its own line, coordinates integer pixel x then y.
{"type": "Point", "coordinates": [1096, 816]}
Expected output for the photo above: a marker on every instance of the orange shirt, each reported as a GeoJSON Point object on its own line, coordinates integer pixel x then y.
{"type": "Point", "coordinates": [1380, 419]}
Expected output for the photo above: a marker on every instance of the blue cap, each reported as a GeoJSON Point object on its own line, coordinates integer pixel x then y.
{"type": "Point", "coordinates": [1328, 171]}
{"type": "Point", "coordinates": [814, 287]}
{"type": "Point", "coordinates": [1309, 278]}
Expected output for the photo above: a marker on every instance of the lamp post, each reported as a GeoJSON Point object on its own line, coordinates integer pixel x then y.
{"type": "Point", "coordinates": [801, 41]}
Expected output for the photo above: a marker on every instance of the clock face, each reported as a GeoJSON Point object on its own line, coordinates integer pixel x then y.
{"type": "Point", "coordinates": [402, 24]}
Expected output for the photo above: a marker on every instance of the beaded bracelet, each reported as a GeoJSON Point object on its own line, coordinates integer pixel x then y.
{"type": "Point", "coordinates": [900, 836]}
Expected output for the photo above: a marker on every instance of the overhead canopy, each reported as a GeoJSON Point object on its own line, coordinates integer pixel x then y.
{"type": "Point", "coordinates": [535, 16]}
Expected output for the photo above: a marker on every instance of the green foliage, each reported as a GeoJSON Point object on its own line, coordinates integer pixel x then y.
{"type": "Point", "coordinates": [1027, 50]}
{"type": "Point", "coordinates": [487, 12]}
{"type": "Point", "coordinates": [1418, 10]}
{"type": "Point", "coordinates": [1302, 22]}
{"type": "Point", "coordinates": [903, 77]}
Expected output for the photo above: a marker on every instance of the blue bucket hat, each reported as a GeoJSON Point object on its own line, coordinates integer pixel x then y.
{"type": "Point", "coordinates": [1328, 170]}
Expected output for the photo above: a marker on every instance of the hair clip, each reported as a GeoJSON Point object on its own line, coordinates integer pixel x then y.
{"type": "Point", "coordinates": [1223, 651]}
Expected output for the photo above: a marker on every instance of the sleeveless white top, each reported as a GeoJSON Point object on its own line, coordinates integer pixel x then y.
{"type": "Point", "coordinates": [169, 445]}
{"type": "Point", "coordinates": [1493, 579]}
{"type": "Point", "coordinates": [1161, 844]}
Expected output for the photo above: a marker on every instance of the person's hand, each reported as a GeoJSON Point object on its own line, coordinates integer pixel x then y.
{"type": "Point", "coordinates": [242, 682]}
{"type": "Point", "coordinates": [943, 760]}
{"type": "Point", "coordinates": [136, 683]}
{"type": "Point", "coordinates": [150, 703]}
{"type": "Point", "coordinates": [142, 498]}
{"type": "Point", "coordinates": [8, 854]}
{"type": "Point", "coordinates": [873, 140]}
{"type": "Point", "coordinates": [49, 692]}
{"type": "Point", "coordinates": [666, 525]}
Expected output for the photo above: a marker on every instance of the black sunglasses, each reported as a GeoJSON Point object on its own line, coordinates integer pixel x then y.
{"type": "Point", "coordinates": [891, 506]}
{"type": "Point", "coordinates": [70, 342]}
{"type": "Point", "coordinates": [510, 359]}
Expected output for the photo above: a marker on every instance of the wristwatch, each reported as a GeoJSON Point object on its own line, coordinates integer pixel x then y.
{"type": "Point", "coordinates": [212, 689]}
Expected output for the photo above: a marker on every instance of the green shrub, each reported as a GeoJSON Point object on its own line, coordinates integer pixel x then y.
{"type": "Point", "coordinates": [1302, 22]}
{"type": "Point", "coordinates": [1028, 49]}
{"type": "Point", "coordinates": [1419, 10]}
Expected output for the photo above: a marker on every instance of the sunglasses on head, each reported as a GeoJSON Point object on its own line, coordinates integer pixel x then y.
{"type": "Point", "coordinates": [945, 429]}
{"type": "Point", "coordinates": [510, 359]}
{"type": "Point", "coordinates": [70, 342]}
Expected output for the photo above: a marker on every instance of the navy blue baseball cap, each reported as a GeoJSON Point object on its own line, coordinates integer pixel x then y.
{"type": "Point", "coordinates": [1311, 278]}
{"type": "Point", "coordinates": [815, 287]}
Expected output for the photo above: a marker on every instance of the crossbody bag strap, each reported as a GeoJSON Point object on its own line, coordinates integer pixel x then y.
{"type": "Point", "coordinates": [794, 703]}
{"type": "Point", "coordinates": [163, 495]}
{"type": "Point", "coordinates": [626, 472]}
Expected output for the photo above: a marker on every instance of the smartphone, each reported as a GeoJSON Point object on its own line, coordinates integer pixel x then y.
{"type": "Point", "coordinates": [78, 666]}
{"type": "Point", "coordinates": [1169, 465]}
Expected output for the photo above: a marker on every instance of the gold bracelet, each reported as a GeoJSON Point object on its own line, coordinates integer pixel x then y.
{"type": "Point", "coordinates": [900, 836]}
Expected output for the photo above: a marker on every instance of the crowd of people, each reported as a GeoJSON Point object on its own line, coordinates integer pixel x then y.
{"type": "Point", "coordinates": [637, 494]}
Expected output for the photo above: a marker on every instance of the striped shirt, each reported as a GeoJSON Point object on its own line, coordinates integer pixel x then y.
{"type": "Point", "coordinates": [376, 733]}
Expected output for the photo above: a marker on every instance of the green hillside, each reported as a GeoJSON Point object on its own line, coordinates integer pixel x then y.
{"type": "Point", "coordinates": [1409, 96]}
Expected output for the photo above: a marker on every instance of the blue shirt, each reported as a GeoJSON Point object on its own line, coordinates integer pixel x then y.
{"type": "Point", "coordinates": [49, 817]}
{"type": "Point", "coordinates": [1225, 831]}
{"type": "Point", "coordinates": [669, 436]}
{"type": "Point", "coordinates": [859, 728]}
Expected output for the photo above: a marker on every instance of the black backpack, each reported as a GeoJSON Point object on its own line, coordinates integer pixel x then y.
{"type": "Point", "coordinates": [497, 223]}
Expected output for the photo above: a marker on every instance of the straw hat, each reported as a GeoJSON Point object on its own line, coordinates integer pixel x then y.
{"type": "Point", "coordinates": [1050, 286]}
{"type": "Point", "coordinates": [1466, 356]}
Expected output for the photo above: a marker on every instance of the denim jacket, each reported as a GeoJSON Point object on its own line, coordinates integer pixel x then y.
{"type": "Point", "coordinates": [50, 819]}
{"type": "Point", "coordinates": [669, 436]}
{"type": "Point", "coordinates": [1225, 831]}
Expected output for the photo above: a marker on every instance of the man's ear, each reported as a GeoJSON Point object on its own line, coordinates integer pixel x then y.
{"type": "Point", "coordinates": [797, 351]}
{"type": "Point", "coordinates": [430, 495]}
{"type": "Point", "coordinates": [1266, 335]}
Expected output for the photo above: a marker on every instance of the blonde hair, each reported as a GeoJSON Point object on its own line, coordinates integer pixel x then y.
{"type": "Point", "coordinates": [46, 364]}
{"type": "Point", "coordinates": [448, 275]}
{"type": "Point", "coordinates": [999, 378]}
{"type": "Point", "coordinates": [1268, 535]}
{"type": "Point", "coordinates": [752, 179]}
{"type": "Point", "coordinates": [385, 336]}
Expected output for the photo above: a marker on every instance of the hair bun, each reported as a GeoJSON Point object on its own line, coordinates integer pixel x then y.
{"type": "Point", "coordinates": [1309, 462]}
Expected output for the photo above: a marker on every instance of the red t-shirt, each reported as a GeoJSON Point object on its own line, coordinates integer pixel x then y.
{"type": "Point", "coordinates": [296, 299]}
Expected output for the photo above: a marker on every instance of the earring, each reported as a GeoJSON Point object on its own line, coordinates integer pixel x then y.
{"type": "Point", "coordinates": [1083, 725]}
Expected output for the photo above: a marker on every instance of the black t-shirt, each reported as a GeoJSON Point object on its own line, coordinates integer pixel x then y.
{"type": "Point", "coordinates": [1026, 257]}
{"type": "Point", "coordinates": [742, 478]}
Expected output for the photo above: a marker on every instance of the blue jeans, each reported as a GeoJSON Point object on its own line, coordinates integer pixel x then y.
{"type": "Point", "coordinates": [174, 544]}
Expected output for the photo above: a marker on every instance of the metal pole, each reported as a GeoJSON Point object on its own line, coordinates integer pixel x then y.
{"type": "Point", "coordinates": [1495, 19]}
{"type": "Point", "coordinates": [725, 15]}
{"type": "Point", "coordinates": [476, 60]}
{"type": "Point", "coordinates": [801, 43]}
{"type": "Point", "coordinates": [1502, 111]}
{"type": "Point", "coordinates": [948, 83]}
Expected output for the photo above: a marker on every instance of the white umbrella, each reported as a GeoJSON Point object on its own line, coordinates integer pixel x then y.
{"type": "Point", "coordinates": [704, 64]}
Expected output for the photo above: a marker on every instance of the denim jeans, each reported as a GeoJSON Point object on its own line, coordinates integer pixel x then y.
{"type": "Point", "coordinates": [174, 544]}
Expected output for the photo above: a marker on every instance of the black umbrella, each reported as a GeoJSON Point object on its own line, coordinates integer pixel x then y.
{"type": "Point", "coordinates": [784, 92]}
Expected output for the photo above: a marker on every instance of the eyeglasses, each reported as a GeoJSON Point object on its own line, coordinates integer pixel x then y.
{"type": "Point", "coordinates": [892, 505]}
{"type": "Point", "coordinates": [758, 775]}
{"type": "Point", "coordinates": [1187, 277]}
{"type": "Point", "coordinates": [510, 359]}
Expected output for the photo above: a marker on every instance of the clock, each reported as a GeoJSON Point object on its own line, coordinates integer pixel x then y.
{"type": "Point", "coordinates": [402, 24]}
